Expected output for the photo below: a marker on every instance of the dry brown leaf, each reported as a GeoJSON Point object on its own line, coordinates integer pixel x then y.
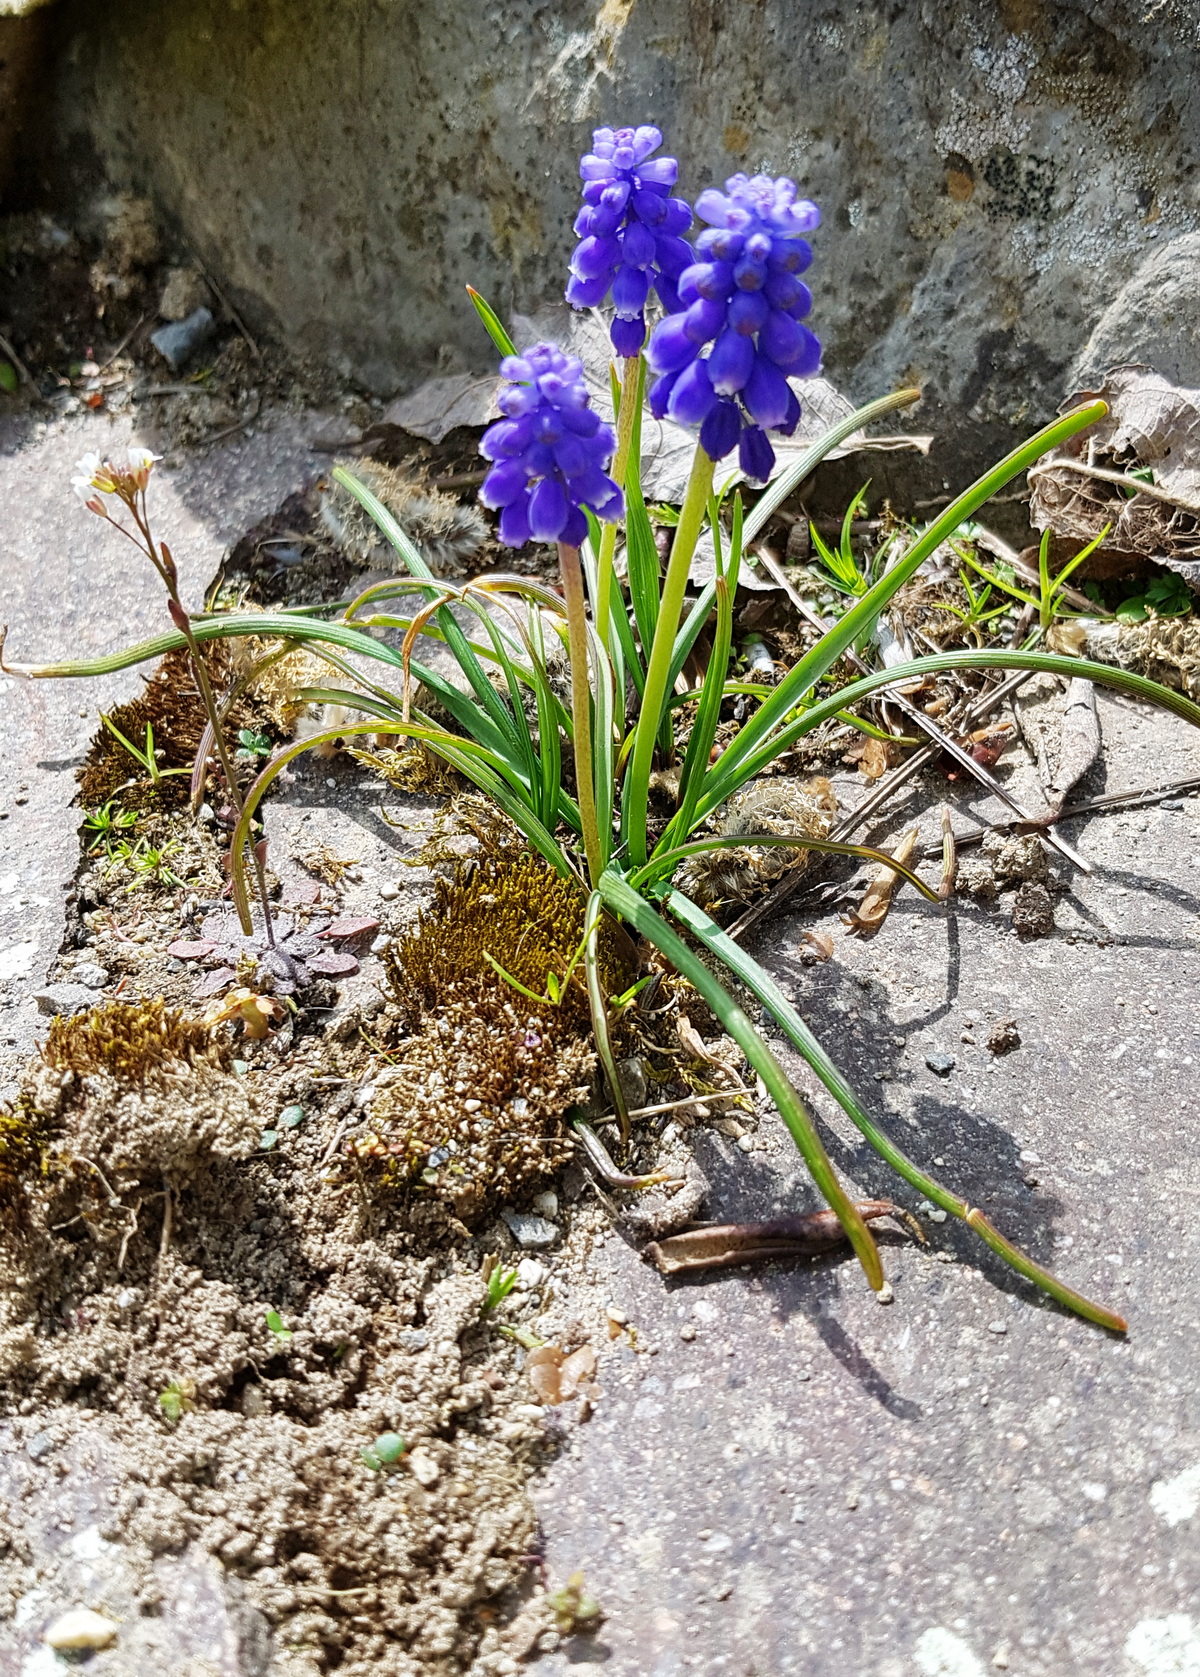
{"type": "Point", "coordinates": [1150, 424]}
{"type": "Point", "coordinates": [872, 911]}
{"type": "Point", "coordinates": [820, 943]}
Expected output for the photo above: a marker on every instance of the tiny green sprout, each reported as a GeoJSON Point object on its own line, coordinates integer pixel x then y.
{"type": "Point", "coordinates": [177, 1401]}
{"type": "Point", "coordinates": [500, 1283]}
{"type": "Point", "coordinates": [574, 1610]}
{"type": "Point", "coordinates": [275, 1324]}
{"type": "Point", "coordinates": [290, 1117]}
{"type": "Point", "coordinates": [8, 378]}
{"type": "Point", "coordinates": [385, 1452]}
{"type": "Point", "coordinates": [106, 823]}
{"type": "Point", "coordinates": [268, 1139]}
{"type": "Point", "coordinates": [252, 745]}
{"type": "Point", "coordinates": [147, 758]}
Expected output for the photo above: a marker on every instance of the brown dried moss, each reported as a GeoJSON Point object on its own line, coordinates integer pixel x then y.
{"type": "Point", "coordinates": [130, 1041]}
{"type": "Point", "coordinates": [172, 705]}
{"type": "Point", "coordinates": [781, 807]}
{"type": "Point", "coordinates": [474, 1110]}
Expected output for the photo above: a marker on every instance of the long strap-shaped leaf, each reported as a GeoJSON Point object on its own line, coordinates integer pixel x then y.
{"type": "Point", "coordinates": [626, 902]}
{"type": "Point", "coordinates": [804, 675]}
{"type": "Point", "coordinates": [472, 760]}
{"type": "Point", "coordinates": [720, 786]}
{"type": "Point", "coordinates": [456, 640]}
{"type": "Point", "coordinates": [772, 998]}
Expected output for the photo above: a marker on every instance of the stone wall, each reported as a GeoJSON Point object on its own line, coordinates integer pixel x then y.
{"type": "Point", "coordinates": [992, 172]}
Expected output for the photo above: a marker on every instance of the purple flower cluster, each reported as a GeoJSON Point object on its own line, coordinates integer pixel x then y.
{"type": "Point", "coordinates": [549, 452]}
{"type": "Point", "coordinates": [744, 298]}
{"type": "Point", "coordinates": [630, 231]}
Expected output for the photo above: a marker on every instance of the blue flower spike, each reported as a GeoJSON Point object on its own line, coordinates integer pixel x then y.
{"type": "Point", "coordinates": [550, 452]}
{"type": "Point", "coordinates": [630, 231]}
{"type": "Point", "coordinates": [743, 296]}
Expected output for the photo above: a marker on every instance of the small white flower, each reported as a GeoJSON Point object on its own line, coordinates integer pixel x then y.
{"type": "Point", "coordinates": [140, 463]}
{"type": "Point", "coordinates": [88, 467]}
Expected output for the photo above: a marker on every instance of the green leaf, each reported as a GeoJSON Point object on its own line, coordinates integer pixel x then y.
{"type": "Point", "coordinates": [492, 322]}
{"type": "Point", "coordinates": [731, 771]}
{"type": "Point", "coordinates": [9, 382]}
{"type": "Point", "coordinates": [625, 901]}
{"type": "Point", "coordinates": [276, 1326]}
{"type": "Point", "coordinates": [763, 986]}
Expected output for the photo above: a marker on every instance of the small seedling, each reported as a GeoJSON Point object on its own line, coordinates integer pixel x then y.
{"type": "Point", "coordinates": [8, 378]}
{"type": "Point", "coordinates": [147, 862]}
{"type": "Point", "coordinates": [106, 823]}
{"type": "Point", "coordinates": [573, 1608]}
{"type": "Point", "coordinates": [147, 758]}
{"type": "Point", "coordinates": [500, 1283]}
{"type": "Point", "coordinates": [178, 1400]}
{"type": "Point", "coordinates": [251, 746]}
{"type": "Point", "coordinates": [275, 1325]}
{"type": "Point", "coordinates": [385, 1452]}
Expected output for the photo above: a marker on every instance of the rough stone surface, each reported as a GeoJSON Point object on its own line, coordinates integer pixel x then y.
{"type": "Point", "coordinates": [64, 998]}
{"type": "Point", "coordinates": [802, 1484]}
{"type": "Point", "coordinates": [990, 175]}
{"type": "Point", "coordinates": [185, 1615]}
{"type": "Point", "coordinates": [1155, 318]}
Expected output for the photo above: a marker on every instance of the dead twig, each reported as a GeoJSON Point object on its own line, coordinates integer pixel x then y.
{"type": "Point", "coordinates": [227, 305]}
{"type": "Point", "coordinates": [1092, 806]}
{"type": "Point", "coordinates": [891, 782]}
{"type": "Point", "coordinates": [124, 343]}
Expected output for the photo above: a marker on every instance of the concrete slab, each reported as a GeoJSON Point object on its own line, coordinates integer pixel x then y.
{"type": "Point", "coordinates": [801, 1483]}
{"type": "Point", "coordinates": [72, 589]}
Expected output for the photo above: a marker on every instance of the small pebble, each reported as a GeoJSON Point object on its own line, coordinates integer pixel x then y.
{"type": "Point", "coordinates": [80, 1629]}
{"type": "Point", "coordinates": [38, 1446]}
{"type": "Point", "coordinates": [424, 1469]}
{"type": "Point", "coordinates": [885, 1295]}
{"type": "Point", "coordinates": [687, 1332]}
{"type": "Point", "coordinates": [389, 893]}
{"type": "Point", "coordinates": [545, 1204]}
{"type": "Point", "coordinates": [1171, 803]}
{"type": "Point", "coordinates": [941, 1063]}
{"type": "Point", "coordinates": [530, 1232]}
{"type": "Point", "coordinates": [746, 1143]}
{"type": "Point", "coordinates": [531, 1273]}
{"type": "Point", "coordinates": [997, 1327]}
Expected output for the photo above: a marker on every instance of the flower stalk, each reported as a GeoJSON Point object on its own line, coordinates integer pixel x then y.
{"type": "Point", "coordinates": [571, 572]}
{"type": "Point", "coordinates": [127, 483]}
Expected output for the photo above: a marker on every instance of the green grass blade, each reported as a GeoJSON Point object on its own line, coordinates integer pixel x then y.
{"type": "Point", "coordinates": [492, 323]}
{"type": "Point", "coordinates": [763, 986]}
{"type": "Point", "coordinates": [454, 637]}
{"type": "Point", "coordinates": [624, 901]}
{"type": "Point", "coordinates": [656, 699]}
{"type": "Point", "coordinates": [805, 674]}
{"type": "Point", "coordinates": [708, 715]}
{"type": "Point", "coordinates": [472, 760]}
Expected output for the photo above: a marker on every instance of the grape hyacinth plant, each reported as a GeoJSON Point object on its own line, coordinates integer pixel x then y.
{"type": "Point", "coordinates": [723, 358]}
